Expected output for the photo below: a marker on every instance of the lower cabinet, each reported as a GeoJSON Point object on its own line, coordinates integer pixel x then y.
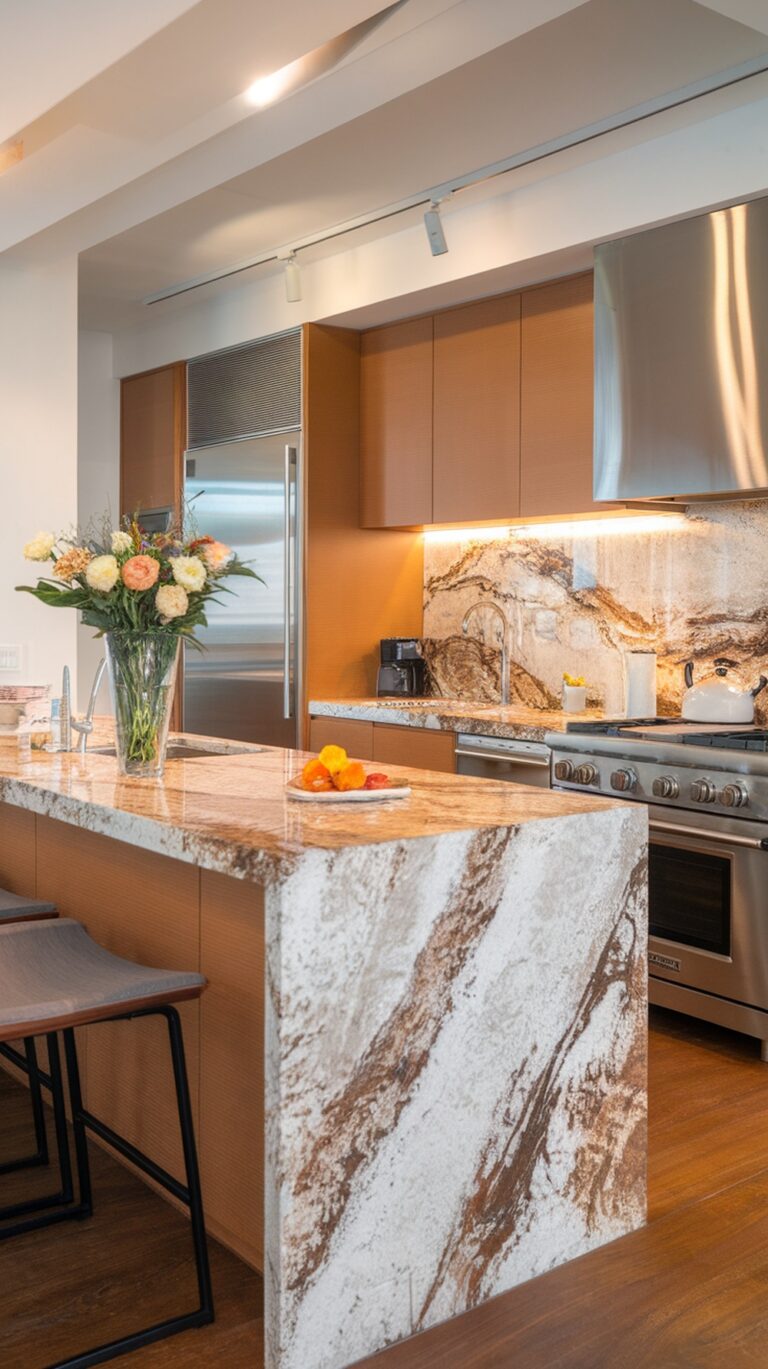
{"type": "Point", "coordinates": [419, 747]}
{"type": "Point", "coordinates": [356, 737]}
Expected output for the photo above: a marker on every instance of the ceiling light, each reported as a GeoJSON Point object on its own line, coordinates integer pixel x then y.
{"type": "Point", "coordinates": [292, 278]}
{"type": "Point", "coordinates": [434, 226]}
{"type": "Point", "coordinates": [269, 88]}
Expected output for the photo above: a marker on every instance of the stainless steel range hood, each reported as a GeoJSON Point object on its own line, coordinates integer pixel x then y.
{"type": "Point", "coordinates": [681, 359]}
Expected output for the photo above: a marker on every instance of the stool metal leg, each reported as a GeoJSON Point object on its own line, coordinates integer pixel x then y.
{"type": "Point", "coordinates": [40, 1156]}
{"type": "Point", "coordinates": [190, 1194]}
{"type": "Point", "coordinates": [54, 1207]}
{"type": "Point", "coordinates": [78, 1127]}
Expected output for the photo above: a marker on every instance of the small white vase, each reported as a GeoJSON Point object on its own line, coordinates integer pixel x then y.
{"type": "Point", "coordinates": [574, 698]}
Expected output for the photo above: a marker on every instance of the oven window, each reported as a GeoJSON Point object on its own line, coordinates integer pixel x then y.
{"type": "Point", "coordinates": [690, 897]}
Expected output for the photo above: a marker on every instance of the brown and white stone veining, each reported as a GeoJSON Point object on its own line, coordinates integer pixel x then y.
{"type": "Point", "coordinates": [579, 603]}
{"type": "Point", "coordinates": [458, 1074]}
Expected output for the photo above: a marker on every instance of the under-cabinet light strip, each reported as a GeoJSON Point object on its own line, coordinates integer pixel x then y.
{"type": "Point", "coordinates": [566, 530]}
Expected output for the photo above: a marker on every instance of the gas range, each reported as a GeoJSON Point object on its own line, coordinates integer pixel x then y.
{"type": "Point", "coordinates": [706, 791]}
{"type": "Point", "coordinates": [667, 761]}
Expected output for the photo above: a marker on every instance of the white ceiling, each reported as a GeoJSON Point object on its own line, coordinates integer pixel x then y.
{"type": "Point", "coordinates": [52, 47]}
{"type": "Point", "coordinates": [594, 61]}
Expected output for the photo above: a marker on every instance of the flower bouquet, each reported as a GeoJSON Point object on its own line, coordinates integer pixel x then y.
{"type": "Point", "coordinates": [144, 593]}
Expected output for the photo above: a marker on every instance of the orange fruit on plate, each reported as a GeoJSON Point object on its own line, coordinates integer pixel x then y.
{"type": "Point", "coordinates": [334, 758]}
{"type": "Point", "coordinates": [317, 777]}
{"type": "Point", "coordinates": [351, 777]}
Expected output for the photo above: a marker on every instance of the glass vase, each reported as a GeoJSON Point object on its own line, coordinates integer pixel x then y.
{"type": "Point", "coordinates": [142, 678]}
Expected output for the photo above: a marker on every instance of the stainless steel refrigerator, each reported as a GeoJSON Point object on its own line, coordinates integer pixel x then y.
{"type": "Point", "coordinates": [246, 685]}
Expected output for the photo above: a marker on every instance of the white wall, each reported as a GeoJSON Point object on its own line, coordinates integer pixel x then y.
{"type": "Point", "coordinates": [511, 239]}
{"type": "Point", "coordinates": [38, 455]}
{"type": "Point", "coordinates": [98, 474]}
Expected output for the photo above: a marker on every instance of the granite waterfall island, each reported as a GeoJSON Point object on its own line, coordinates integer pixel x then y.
{"type": "Point", "coordinates": [420, 1061]}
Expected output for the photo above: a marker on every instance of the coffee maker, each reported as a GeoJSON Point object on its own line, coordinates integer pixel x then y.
{"type": "Point", "coordinates": [402, 671]}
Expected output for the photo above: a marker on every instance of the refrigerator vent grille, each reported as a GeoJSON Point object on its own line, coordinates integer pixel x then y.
{"type": "Point", "coordinates": [245, 391]}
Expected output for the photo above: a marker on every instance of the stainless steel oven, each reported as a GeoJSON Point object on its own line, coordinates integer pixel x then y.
{"type": "Point", "coordinates": [501, 758]}
{"type": "Point", "coordinates": [708, 911]}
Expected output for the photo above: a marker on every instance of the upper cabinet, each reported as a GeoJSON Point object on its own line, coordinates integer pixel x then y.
{"type": "Point", "coordinates": [396, 424]}
{"type": "Point", "coordinates": [152, 438]}
{"type": "Point", "coordinates": [556, 399]}
{"type": "Point", "coordinates": [476, 417]}
{"type": "Point", "coordinates": [482, 413]}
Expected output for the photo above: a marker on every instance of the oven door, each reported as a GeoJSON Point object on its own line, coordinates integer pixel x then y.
{"type": "Point", "coordinates": [708, 904]}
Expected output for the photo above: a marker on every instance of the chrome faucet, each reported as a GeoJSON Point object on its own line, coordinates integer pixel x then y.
{"type": "Point", "coordinates": [501, 617]}
{"type": "Point", "coordinates": [69, 724]}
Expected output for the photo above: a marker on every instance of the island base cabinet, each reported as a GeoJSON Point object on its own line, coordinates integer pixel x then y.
{"type": "Point", "coordinates": [166, 913]}
{"type": "Point", "coordinates": [232, 1062]}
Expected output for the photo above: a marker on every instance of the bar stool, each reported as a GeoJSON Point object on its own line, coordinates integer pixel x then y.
{"type": "Point", "coordinates": [18, 908]}
{"type": "Point", "coordinates": [53, 978]}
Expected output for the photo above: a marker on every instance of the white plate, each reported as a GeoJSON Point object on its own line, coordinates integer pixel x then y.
{"type": "Point", "coordinates": [347, 796]}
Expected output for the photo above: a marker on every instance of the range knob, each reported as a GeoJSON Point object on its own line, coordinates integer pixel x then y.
{"type": "Point", "coordinates": [623, 780]}
{"type": "Point", "coordinates": [734, 795]}
{"type": "Point", "coordinates": [666, 787]}
{"type": "Point", "coordinates": [564, 770]}
{"type": "Point", "coordinates": [586, 774]}
{"type": "Point", "coordinates": [703, 791]}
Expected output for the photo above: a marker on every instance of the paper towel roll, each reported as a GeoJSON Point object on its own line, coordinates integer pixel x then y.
{"type": "Point", "coordinates": [640, 684]}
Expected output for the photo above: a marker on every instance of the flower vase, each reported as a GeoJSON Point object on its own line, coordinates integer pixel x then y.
{"type": "Point", "coordinates": [142, 677]}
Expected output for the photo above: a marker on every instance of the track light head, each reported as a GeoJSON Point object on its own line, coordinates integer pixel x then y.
{"type": "Point", "coordinates": [434, 226]}
{"type": "Point", "coordinates": [292, 278]}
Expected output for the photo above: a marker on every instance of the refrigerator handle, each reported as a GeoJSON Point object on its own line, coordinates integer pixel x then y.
{"type": "Point", "coordinates": [290, 582]}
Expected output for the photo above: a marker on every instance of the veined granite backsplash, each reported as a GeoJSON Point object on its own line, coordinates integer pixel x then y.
{"type": "Point", "coordinates": [696, 589]}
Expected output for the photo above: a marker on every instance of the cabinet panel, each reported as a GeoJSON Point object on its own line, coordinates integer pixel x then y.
{"type": "Point", "coordinates": [232, 1061]}
{"type": "Point", "coordinates": [477, 412]}
{"type": "Point", "coordinates": [416, 747]}
{"type": "Point", "coordinates": [152, 438]}
{"type": "Point", "coordinates": [396, 424]}
{"type": "Point", "coordinates": [556, 400]}
{"type": "Point", "coordinates": [356, 737]}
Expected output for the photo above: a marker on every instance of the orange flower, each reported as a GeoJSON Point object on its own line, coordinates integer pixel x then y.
{"type": "Point", "coordinates": [351, 777]}
{"type": "Point", "coordinates": [140, 572]}
{"type": "Point", "coordinates": [72, 563]}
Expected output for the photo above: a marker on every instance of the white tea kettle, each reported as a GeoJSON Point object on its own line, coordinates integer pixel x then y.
{"type": "Point", "coordinates": [721, 697]}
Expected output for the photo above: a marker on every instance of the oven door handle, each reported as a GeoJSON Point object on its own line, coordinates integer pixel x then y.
{"type": "Point", "coordinates": [679, 830]}
{"type": "Point", "coordinates": [508, 756]}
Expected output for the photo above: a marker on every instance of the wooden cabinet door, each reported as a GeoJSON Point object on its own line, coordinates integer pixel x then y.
{"type": "Point", "coordinates": [418, 747]}
{"type": "Point", "coordinates": [354, 735]}
{"type": "Point", "coordinates": [396, 425]}
{"type": "Point", "coordinates": [152, 438]}
{"type": "Point", "coordinates": [556, 400]}
{"type": "Point", "coordinates": [476, 474]}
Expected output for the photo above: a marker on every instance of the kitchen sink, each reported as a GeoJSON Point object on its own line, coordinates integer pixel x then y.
{"type": "Point", "coordinates": [189, 751]}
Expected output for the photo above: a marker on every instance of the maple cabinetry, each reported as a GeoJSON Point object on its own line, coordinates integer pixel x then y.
{"type": "Point", "coordinates": [153, 436]}
{"type": "Point", "coordinates": [481, 413]}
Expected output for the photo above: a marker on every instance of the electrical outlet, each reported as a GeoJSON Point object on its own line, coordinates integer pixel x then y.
{"type": "Point", "coordinates": [10, 657]}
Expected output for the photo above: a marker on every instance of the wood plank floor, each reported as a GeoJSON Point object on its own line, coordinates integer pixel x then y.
{"type": "Point", "coordinates": [690, 1291]}
{"type": "Point", "coordinates": [77, 1285]}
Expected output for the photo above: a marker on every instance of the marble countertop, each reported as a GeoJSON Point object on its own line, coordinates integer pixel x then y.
{"type": "Point", "coordinates": [514, 721]}
{"type": "Point", "coordinates": [231, 813]}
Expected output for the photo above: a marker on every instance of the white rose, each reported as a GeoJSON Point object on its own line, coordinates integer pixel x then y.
{"type": "Point", "coordinates": [102, 573]}
{"type": "Point", "coordinates": [40, 548]}
{"type": "Point", "coordinates": [171, 602]}
{"type": "Point", "coordinates": [188, 571]}
{"type": "Point", "coordinates": [121, 541]}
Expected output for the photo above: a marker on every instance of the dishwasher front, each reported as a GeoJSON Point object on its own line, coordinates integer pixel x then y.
{"type": "Point", "coordinates": [501, 758]}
